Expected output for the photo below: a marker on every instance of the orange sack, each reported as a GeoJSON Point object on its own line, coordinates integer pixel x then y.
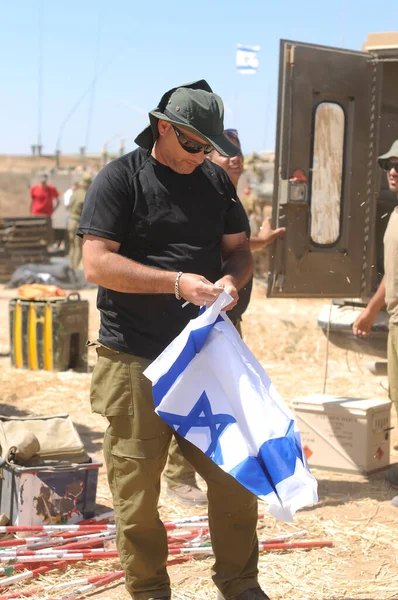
{"type": "Point", "coordinates": [36, 291]}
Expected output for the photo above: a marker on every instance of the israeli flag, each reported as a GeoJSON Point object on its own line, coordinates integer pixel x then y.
{"type": "Point", "coordinates": [246, 59]}
{"type": "Point", "coordinates": [210, 389]}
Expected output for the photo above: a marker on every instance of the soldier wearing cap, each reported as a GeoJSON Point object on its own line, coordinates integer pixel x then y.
{"type": "Point", "coordinates": [161, 227]}
{"type": "Point", "coordinates": [387, 292]}
{"type": "Point", "coordinates": [75, 208]}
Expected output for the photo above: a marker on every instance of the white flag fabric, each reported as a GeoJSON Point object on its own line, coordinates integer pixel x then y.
{"type": "Point", "coordinates": [210, 389]}
{"type": "Point", "coordinates": [247, 59]}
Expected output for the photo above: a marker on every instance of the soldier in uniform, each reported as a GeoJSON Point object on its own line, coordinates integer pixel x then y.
{"type": "Point", "coordinates": [75, 208]}
{"type": "Point", "coordinates": [387, 292]}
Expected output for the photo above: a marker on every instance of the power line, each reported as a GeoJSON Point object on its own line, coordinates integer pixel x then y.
{"type": "Point", "coordinates": [125, 128]}
{"type": "Point", "coordinates": [80, 100]}
{"type": "Point", "coordinates": [93, 83]}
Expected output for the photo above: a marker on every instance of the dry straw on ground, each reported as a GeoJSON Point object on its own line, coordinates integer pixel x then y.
{"type": "Point", "coordinates": [354, 511]}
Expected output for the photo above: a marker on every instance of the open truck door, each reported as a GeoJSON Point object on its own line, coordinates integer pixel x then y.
{"type": "Point", "coordinates": [325, 171]}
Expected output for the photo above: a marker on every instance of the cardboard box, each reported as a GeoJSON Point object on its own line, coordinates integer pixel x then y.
{"type": "Point", "coordinates": [344, 434]}
{"type": "Point", "coordinates": [48, 495]}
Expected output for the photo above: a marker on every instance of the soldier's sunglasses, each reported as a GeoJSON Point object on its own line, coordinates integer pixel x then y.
{"type": "Point", "coordinates": [190, 145]}
{"type": "Point", "coordinates": [233, 133]}
{"type": "Point", "coordinates": [389, 164]}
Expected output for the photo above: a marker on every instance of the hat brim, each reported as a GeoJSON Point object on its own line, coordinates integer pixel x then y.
{"type": "Point", "coordinates": [219, 142]}
{"type": "Point", "coordinates": [392, 153]}
{"type": "Point", "coordinates": [381, 161]}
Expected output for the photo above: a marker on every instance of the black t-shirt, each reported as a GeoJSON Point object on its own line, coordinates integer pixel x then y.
{"type": "Point", "coordinates": [165, 220]}
{"type": "Point", "coordinates": [245, 293]}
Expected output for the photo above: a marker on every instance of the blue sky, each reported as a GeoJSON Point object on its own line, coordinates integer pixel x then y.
{"type": "Point", "coordinates": [146, 48]}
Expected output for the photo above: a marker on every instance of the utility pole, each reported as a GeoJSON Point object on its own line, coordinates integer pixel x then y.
{"type": "Point", "coordinates": [40, 80]}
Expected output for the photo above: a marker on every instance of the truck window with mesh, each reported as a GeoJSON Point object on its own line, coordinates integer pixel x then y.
{"type": "Point", "coordinates": [327, 173]}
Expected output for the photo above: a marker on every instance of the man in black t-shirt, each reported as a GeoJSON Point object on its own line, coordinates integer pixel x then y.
{"type": "Point", "coordinates": [161, 226]}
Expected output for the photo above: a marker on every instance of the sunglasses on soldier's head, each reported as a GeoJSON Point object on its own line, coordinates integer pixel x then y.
{"type": "Point", "coordinates": [233, 133]}
{"type": "Point", "coordinates": [190, 145]}
{"type": "Point", "coordinates": [389, 164]}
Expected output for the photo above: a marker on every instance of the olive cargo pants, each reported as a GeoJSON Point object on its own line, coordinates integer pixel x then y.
{"type": "Point", "coordinates": [392, 364]}
{"type": "Point", "coordinates": [75, 244]}
{"type": "Point", "coordinates": [178, 471]}
{"type": "Point", "coordinates": [136, 444]}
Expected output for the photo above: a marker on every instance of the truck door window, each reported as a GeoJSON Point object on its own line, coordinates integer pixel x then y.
{"type": "Point", "coordinates": [327, 173]}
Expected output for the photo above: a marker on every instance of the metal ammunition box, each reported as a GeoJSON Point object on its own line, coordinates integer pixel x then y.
{"type": "Point", "coordinates": [49, 334]}
{"type": "Point", "coordinates": [48, 495]}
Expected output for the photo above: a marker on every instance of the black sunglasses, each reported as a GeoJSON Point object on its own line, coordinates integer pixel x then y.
{"type": "Point", "coordinates": [388, 165]}
{"type": "Point", "coordinates": [191, 145]}
{"type": "Point", "coordinates": [232, 133]}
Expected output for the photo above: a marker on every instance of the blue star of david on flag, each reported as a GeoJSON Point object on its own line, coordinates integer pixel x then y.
{"type": "Point", "coordinates": [200, 416]}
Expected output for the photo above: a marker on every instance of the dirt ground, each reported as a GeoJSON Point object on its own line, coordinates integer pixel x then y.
{"type": "Point", "coordinates": [353, 511]}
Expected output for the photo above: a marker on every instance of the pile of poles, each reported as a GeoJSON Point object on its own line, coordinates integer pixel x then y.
{"type": "Point", "coordinates": [57, 546]}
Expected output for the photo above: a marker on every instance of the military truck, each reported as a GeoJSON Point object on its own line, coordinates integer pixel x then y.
{"type": "Point", "coordinates": [337, 112]}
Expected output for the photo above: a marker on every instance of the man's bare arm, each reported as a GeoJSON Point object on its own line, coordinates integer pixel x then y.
{"type": "Point", "coordinates": [104, 266]}
{"type": "Point", "coordinates": [364, 322]}
{"type": "Point", "coordinates": [238, 265]}
{"type": "Point", "coordinates": [238, 260]}
{"type": "Point", "coordinates": [266, 236]}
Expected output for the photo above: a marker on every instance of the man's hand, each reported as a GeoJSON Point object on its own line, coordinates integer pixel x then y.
{"type": "Point", "coordinates": [363, 323]}
{"type": "Point", "coordinates": [198, 290]}
{"type": "Point", "coordinates": [268, 234]}
{"type": "Point", "coordinates": [227, 284]}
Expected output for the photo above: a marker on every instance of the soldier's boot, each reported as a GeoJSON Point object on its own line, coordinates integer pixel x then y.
{"type": "Point", "coordinates": [392, 476]}
{"type": "Point", "coordinates": [190, 494]}
{"type": "Point", "coordinates": [252, 594]}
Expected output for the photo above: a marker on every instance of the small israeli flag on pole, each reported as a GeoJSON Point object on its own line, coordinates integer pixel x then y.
{"type": "Point", "coordinates": [246, 59]}
{"type": "Point", "coordinates": [212, 391]}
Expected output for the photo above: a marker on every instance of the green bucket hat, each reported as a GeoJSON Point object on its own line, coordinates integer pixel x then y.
{"type": "Point", "coordinates": [195, 107]}
{"type": "Point", "coordinates": [393, 152]}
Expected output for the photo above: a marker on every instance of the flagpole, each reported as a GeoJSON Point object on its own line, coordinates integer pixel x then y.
{"type": "Point", "coordinates": [267, 115]}
{"type": "Point", "coordinates": [237, 106]}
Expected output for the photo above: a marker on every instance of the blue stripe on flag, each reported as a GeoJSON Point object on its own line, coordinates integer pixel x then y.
{"type": "Point", "coordinates": [193, 346]}
{"type": "Point", "coordinates": [279, 454]}
{"type": "Point", "coordinates": [250, 474]}
{"type": "Point", "coordinates": [247, 49]}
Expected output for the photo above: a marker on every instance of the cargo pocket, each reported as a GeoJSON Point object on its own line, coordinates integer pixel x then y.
{"type": "Point", "coordinates": [134, 469]}
{"type": "Point", "coordinates": [153, 448]}
{"type": "Point", "coordinates": [111, 389]}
